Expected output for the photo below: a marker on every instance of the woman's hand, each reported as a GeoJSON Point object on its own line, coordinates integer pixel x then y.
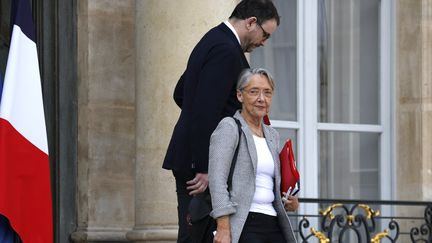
{"type": "Point", "coordinates": [223, 232]}
{"type": "Point", "coordinates": [291, 203]}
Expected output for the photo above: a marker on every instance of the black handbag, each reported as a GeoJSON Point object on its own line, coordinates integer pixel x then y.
{"type": "Point", "coordinates": [203, 225]}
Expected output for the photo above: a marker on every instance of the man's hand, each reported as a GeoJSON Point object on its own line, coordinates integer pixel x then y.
{"type": "Point", "coordinates": [198, 184]}
{"type": "Point", "coordinates": [291, 203]}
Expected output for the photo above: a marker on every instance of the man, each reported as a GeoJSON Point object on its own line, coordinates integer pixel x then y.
{"type": "Point", "coordinates": [206, 93]}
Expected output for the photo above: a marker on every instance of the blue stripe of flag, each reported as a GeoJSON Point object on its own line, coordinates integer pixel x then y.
{"type": "Point", "coordinates": [7, 235]}
{"type": "Point", "coordinates": [23, 18]}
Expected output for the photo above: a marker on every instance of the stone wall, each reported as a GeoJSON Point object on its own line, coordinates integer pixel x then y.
{"type": "Point", "coordinates": [413, 132]}
{"type": "Point", "coordinates": [426, 27]}
{"type": "Point", "coordinates": [414, 99]}
{"type": "Point", "coordinates": [166, 32]}
{"type": "Point", "coordinates": [106, 120]}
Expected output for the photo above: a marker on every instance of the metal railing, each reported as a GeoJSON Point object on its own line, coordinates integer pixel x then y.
{"type": "Point", "coordinates": [346, 221]}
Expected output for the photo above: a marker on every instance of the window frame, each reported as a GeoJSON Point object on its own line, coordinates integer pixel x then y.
{"type": "Point", "coordinates": [308, 127]}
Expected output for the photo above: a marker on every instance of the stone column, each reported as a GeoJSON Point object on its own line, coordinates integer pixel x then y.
{"type": "Point", "coordinates": [408, 101]}
{"type": "Point", "coordinates": [426, 77]}
{"type": "Point", "coordinates": [106, 120]}
{"type": "Point", "coordinates": [166, 32]}
{"type": "Point", "coordinates": [414, 99]}
{"type": "Point", "coordinates": [413, 107]}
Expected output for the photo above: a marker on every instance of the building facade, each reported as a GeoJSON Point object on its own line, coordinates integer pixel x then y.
{"type": "Point", "coordinates": [354, 92]}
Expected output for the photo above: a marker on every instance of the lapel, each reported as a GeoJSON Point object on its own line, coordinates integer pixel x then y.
{"type": "Point", "coordinates": [249, 141]}
{"type": "Point", "coordinates": [271, 143]}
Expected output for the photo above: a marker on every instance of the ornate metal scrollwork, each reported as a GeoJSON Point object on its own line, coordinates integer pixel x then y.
{"type": "Point", "coordinates": [320, 235]}
{"type": "Point", "coordinates": [304, 224]}
{"type": "Point", "coordinates": [424, 232]}
{"type": "Point", "coordinates": [377, 238]}
{"type": "Point", "coordinates": [394, 227]}
{"type": "Point", "coordinates": [338, 219]}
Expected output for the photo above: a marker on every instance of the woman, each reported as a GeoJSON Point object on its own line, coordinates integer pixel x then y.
{"type": "Point", "coordinates": [253, 211]}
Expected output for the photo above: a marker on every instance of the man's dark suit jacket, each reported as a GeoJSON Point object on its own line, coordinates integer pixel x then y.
{"type": "Point", "coordinates": [206, 93]}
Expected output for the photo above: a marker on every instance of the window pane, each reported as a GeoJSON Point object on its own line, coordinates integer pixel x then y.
{"type": "Point", "coordinates": [286, 134]}
{"type": "Point", "coordinates": [348, 61]}
{"type": "Point", "coordinates": [349, 165]}
{"type": "Point", "coordinates": [279, 56]}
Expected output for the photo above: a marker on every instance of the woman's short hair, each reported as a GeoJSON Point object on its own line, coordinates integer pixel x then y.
{"type": "Point", "coordinates": [246, 75]}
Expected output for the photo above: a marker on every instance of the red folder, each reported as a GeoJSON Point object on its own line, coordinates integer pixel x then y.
{"type": "Point", "coordinates": [290, 175]}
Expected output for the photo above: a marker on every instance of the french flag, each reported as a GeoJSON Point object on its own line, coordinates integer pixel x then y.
{"type": "Point", "coordinates": [25, 185]}
{"type": "Point", "coordinates": [7, 235]}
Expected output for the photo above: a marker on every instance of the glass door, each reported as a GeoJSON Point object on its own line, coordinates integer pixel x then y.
{"type": "Point", "coordinates": [331, 60]}
{"type": "Point", "coordinates": [348, 85]}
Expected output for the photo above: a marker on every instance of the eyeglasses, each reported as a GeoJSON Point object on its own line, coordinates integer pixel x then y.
{"type": "Point", "coordinates": [256, 92]}
{"type": "Point", "coordinates": [266, 35]}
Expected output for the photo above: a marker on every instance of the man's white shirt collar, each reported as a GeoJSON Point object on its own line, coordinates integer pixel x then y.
{"type": "Point", "coordinates": [227, 23]}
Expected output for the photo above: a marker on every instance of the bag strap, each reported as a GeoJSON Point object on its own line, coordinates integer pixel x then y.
{"type": "Point", "coordinates": [234, 160]}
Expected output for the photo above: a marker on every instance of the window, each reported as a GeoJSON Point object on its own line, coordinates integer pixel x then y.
{"type": "Point", "coordinates": [331, 60]}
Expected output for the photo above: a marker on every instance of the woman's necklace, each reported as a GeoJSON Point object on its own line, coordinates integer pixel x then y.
{"type": "Point", "coordinates": [257, 132]}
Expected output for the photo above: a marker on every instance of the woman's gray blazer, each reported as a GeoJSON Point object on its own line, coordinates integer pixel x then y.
{"type": "Point", "coordinates": [237, 203]}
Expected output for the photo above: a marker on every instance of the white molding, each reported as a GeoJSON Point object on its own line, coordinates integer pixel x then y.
{"type": "Point", "coordinates": [310, 97]}
{"type": "Point", "coordinates": [344, 127]}
{"type": "Point", "coordinates": [393, 97]}
{"type": "Point", "coordinates": [388, 98]}
{"type": "Point", "coordinates": [285, 124]}
{"type": "Point", "coordinates": [387, 175]}
{"type": "Point", "coordinates": [307, 88]}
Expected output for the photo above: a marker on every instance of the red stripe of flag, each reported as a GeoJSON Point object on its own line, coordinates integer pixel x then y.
{"type": "Point", "coordinates": [24, 175]}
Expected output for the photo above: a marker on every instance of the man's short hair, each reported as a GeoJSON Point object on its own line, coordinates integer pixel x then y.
{"type": "Point", "coordinates": [263, 10]}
